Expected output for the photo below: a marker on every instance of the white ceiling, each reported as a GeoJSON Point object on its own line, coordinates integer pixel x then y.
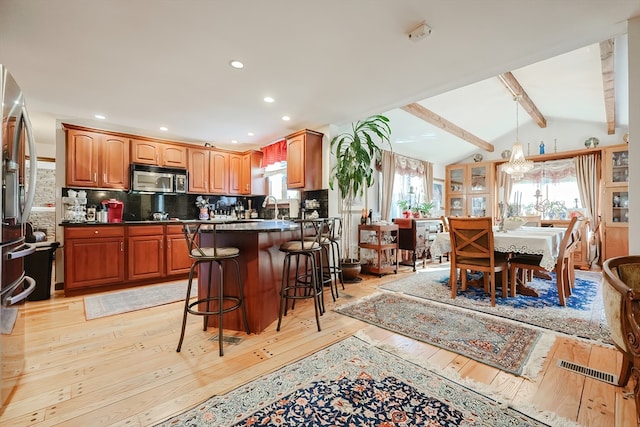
{"type": "Point", "coordinates": [151, 63]}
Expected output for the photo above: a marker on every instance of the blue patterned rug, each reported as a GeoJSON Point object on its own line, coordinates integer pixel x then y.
{"type": "Point", "coordinates": [583, 316]}
{"type": "Point", "coordinates": [352, 383]}
{"type": "Point", "coordinates": [506, 345]}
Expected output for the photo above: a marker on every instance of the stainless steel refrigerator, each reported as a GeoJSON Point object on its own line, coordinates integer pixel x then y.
{"type": "Point", "coordinates": [17, 199]}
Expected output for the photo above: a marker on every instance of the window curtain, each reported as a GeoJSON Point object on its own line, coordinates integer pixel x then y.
{"type": "Point", "coordinates": [274, 153]}
{"type": "Point", "coordinates": [388, 171]}
{"type": "Point", "coordinates": [505, 185]}
{"type": "Point", "coordinates": [588, 176]}
{"type": "Point", "coordinates": [414, 167]}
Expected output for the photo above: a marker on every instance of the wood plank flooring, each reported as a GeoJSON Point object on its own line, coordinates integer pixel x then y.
{"type": "Point", "coordinates": [123, 370]}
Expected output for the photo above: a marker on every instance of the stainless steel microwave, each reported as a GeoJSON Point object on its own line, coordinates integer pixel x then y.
{"type": "Point", "coordinates": [152, 179]}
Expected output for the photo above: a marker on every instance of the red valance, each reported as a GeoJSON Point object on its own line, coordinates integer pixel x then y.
{"type": "Point", "coordinates": [274, 153]}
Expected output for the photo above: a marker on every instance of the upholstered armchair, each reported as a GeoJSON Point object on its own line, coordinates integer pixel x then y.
{"type": "Point", "coordinates": [621, 294]}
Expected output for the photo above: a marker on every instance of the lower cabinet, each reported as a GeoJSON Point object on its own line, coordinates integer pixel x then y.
{"type": "Point", "coordinates": [178, 261]}
{"type": "Point", "coordinates": [145, 256]}
{"type": "Point", "coordinates": [125, 255]}
{"type": "Point", "coordinates": [93, 256]}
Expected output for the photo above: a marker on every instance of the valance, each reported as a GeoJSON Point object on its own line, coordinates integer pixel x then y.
{"type": "Point", "coordinates": [274, 153]}
{"type": "Point", "coordinates": [549, 172]}
{"type": "Point", "coordinates": [409, 166]}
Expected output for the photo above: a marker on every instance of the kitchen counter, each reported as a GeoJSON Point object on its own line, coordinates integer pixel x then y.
{"type": "Point", "coordinates": [242, 225]}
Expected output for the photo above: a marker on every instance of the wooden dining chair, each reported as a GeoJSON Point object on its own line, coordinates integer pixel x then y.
{"type": "Point", "coordinates": [472, 249]}
{"type": "Point", "coordinates": [532, 220]}
{"type": "Point", "coordinates": [445, 223]}
{"type": "Point", "coordinates": [564, 269]}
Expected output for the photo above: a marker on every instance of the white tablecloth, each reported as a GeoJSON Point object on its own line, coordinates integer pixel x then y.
{"type": "Point", "coordinates": [543, 241]}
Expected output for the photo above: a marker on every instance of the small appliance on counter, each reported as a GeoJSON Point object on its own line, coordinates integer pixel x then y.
{"type": "Point", "coordinates": [75, 207]}
{"type": "Point", "coordinates": [115, 209]}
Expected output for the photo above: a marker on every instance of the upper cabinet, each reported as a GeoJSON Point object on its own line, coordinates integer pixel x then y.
{"type": "Point", "coordinates": [96, 159]}
{"type": "Point", "coordinates": [218, 172]}
{"type": "Point", "coordinates": [615, 201]}
{"type": "Point", "coordinates": [616, 165]}
{"type": "Point", "coordinates": [245, 173]}
{"type": "Point", "coordinates": [156, 153]}
{"type": "Point", "coordinates": [214, 171]}
{"type": "Point", "coordinates": [304, 160]}
{"type": "Point", "coordinates": [469, 189]}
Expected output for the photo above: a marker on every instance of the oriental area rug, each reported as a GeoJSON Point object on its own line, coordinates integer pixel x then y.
{"type": "Point", "coordinates": [583, 316]}
{"type": "Point", "coordinates": [353, 383]}
{"type": "Point", "coordinates": [108, 304]}
{"type": "Point", "coordinates": [509, 346]}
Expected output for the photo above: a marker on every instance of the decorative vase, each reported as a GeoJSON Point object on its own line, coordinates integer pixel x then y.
{"type": "Point", "coordinates": [350, 270]}
{"type": "Point", "coordinates": [204, 213]}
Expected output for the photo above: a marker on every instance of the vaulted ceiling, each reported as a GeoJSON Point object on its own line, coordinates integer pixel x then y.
{"type": "Point", "coordinates": [153, 63]}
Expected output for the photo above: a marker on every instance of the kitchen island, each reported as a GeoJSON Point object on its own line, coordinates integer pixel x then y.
{"type": "Point", "coordinates": [260, 268]}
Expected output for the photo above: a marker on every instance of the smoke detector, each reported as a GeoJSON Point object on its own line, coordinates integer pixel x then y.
{"type": "Point", "coordinates": [420, 32]}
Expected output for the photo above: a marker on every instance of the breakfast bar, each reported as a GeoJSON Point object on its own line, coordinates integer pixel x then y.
{"type": "Point", "coordinates": [260, 268]}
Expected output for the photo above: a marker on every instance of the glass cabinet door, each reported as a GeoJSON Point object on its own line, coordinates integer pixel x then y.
{"type": "Point", "coordinates": [478, 179]}
{"type": "Point", "coordinates": [618, 203]}
{"type": "Point", "coordinates": [478, 205]}
{"type": "Point", "coordinates": [455, 206]}
{"type": "Point", "coordinates": [617, 166]}
{"type": "Point", "coordinates": [455, 180]}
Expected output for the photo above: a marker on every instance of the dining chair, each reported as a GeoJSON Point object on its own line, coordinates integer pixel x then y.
{"type": "Point", "coordinates": [445, 223]}
{"type": "Point", "coordinates": [472, 249]}
{"type": "Point", "coordinates": [564, 270]}
{"type": "Point", "coordinates": [532, 220]}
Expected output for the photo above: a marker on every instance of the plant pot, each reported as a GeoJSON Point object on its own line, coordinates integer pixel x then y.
{"type": "Point", "coordinates": [350, 270]}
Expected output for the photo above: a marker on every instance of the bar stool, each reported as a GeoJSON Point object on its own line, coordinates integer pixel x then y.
{"type": "Point", "coordinates": [334, 260]}
{"type": "Point", "coordinates": [306, 281]}
{"type": "Point", "coordinates": [211, 255]}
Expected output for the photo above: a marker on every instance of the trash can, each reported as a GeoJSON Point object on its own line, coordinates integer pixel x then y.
{"type": "Point", "coordinates": [39, 266]}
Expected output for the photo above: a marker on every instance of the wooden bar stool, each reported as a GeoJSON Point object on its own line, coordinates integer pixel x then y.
{"type": "Point", "coordinates": [305, 280]}
{"type": "Point", "coordinates": [221, 302]}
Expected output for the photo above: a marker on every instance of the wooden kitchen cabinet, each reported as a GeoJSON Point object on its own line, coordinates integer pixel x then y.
{"type": "Point", "coordinates": [93, 256]}
{"type": "Point", "coordinates": [469, 189]}
{"type": "Point", "coordinates": [218, 172]}
{"type": "Point", "coordinates": [155, 153]}
{"type": "Point", "coordinates": [177, 253]}
{"type": "Point", "coordinates": [615, 201]}
{"type": "Point", "coordinates": [96, 160]}
{"type": "Point", "coordinates": [145, 252]}
{"type": "Point", "coordinates": [198, 170]}
{"type": "Point", "coordinates": [304, 160]}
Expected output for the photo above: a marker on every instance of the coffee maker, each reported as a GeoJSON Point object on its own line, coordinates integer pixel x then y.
{"type": "Point", "coordinates": [115, 209]}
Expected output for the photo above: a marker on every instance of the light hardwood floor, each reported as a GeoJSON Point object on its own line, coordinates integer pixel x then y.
{"type": "Point", "coordinates": [123, 370]}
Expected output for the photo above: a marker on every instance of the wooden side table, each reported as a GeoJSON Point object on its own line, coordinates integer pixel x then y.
{"type": "Point", "coordinates": [381, 243]}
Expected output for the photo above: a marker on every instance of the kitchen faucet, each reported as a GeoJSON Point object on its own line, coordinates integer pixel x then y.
{"type": "Point", "coordinates": [275, 202]}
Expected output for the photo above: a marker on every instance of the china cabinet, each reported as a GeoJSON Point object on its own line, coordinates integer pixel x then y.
{"type": "Point", "coordinates": [378, 245]}
{"type": "Point", "coordinates": [469, 189]}
{"type": "Point", "coordinates": [615, 201]}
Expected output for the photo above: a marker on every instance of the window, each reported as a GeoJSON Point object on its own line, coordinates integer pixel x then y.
{"type": "Point", "coordinates": [550, 189]}
{"type": "Point", "coordinates": [407, 188]}
{"type": "Point", "coordinates": [276, 175]}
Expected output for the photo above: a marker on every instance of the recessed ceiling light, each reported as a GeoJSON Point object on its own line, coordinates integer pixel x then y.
{"type": "Point", "coordinates": [236, 64]}
{"type": "Point", "coordinates": [164, 128]}
{"type": "Point", "coordinates": [233, 141]}
{"type": "Point", "coordinates": [286, 118]}
{"type": "Point", "coordinates": [268, 99]}
{"type": "Point", "coordinates": [99, 116]}
{"type": "Point", "coordinates": [250, 134]}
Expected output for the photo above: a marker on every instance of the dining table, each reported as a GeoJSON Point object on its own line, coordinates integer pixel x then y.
{"type": "Point", "coordinates": [544, 241]}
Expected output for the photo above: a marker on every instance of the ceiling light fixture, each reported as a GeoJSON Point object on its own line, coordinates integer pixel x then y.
{"type": "Point", "coordinates": [250, 134]}
{"type": "Point", "coordinates": [164, 129]}
{"type": "Point", "coordinates": [286, 118]}
{"type": "Point", "coordinates": [236, 64]}
{"type": "Point", "coordinates": [517, 165]}
{"type": "Point", "coordinates": [268, 99]}
{"type": "Point", "coordinates": [234, 141]}
{"type": "Point", "coordinates": [99, 116]}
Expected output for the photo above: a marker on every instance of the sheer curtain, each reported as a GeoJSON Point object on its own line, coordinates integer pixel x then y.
{"type": "Point", "coordinates": [505, 185]}
{"type": "Point", "coordinates": [588, 176]}
{"type": "Point", "coordinates": [388, 174]}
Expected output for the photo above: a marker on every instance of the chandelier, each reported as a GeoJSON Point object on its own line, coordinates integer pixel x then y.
{"type": "Point", "coordinates": [517, 165]}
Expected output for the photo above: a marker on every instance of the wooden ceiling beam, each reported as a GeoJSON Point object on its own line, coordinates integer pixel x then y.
{"type": "Point", "coordinates": [430, 117]}
{"type": "Point", "coordinates": [608, 83]}
{"type": "Point", "coordinates": [513, 86]}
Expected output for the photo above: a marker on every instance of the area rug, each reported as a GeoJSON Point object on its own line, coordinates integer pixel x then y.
{"type": "Point", "coordinates": [96, 306]}
{"type": "Point", "coordinates": [353, 383]}
{"type": "Point", "coordinates": [583, 316]}
{"type": "Point", "coordinates": [497, 342]}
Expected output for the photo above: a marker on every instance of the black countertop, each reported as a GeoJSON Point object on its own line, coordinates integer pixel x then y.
{"type": "Point", "coordinates": [243, 225]}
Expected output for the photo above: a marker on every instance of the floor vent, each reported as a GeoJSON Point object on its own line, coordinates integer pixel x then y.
{"type": "Point", "coordinates": [591, 373]}
{"type": "Point", "coordinates": [225, 339]}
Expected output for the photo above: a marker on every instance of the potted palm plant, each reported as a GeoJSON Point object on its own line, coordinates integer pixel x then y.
{"type": "Point", "coordinates": [353, 172]}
